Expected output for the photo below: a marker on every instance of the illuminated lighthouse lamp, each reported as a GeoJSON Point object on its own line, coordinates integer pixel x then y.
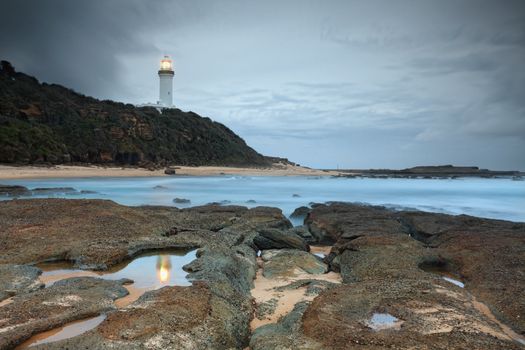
{"type": "Point", "coordinates": [166, 64]}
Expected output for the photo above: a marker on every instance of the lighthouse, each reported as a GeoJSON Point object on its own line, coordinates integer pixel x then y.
{"type": "Point", "coordinates": [166, 74]}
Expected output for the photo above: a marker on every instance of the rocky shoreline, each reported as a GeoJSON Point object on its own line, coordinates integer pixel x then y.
{"type": "Point", "coordinates": [257, 283]}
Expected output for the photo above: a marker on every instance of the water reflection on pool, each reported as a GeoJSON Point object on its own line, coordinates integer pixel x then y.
{"type": "Point", "coordinates": [150, 270]}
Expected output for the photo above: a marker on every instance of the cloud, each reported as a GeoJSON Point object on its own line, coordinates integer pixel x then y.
{"type": "Point", "coordinates": [354, 83]}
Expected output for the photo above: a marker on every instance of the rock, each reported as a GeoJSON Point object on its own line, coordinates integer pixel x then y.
{"type": "Point", "coordinates": [295, 195]}
{"type": "Point", "coordinates": [300, 212]}
{"type": "Point", "coordinates": [286, 262]}
{"type": "Point", "coordinates": [266, 308]}
{"type": "Point", "coordinates": [487, 254]}
{"type": "Point", "coordinates": [17, 279]}
{"type": "Point", "coordinates": [391, 262]}
{"type": "Point", "coordinates": [160, 187]}
{"type": "Point", "coordinates": [223, 202]}
{"type": "Point", "coordinates": [431, 317]}
{"type": "Point", "coordinates": [268, 217]}
{"type": "Point", "coordinates": [303, 232]}
{"type": "Point", "coordinates": [54, 190]}
{"type": "Point", "coordinates": [373, 243]}
{"type": "Point", "coordinates": [330, 223]}
{"type": "Point", "coordinates": [181, 201]}
{"type": "Point", "coordinates": [277, 239]}
{"type": "Point", "coordinates": [51, 307]}
{"type": "Point", "coordinates": [170, 171]}
{"type": "Point", "coordinates": [313, 287]}
{"type": "Point", "coordinates": [14, 191]}
{"type": "Point", "coordinates": [251, 201]}
{"type": "Point", "coordinates": [213, 313]}
{"type": "Point", "coordinates": [105, 233]}
{"type": "Point", "coordinates": [284, 334]}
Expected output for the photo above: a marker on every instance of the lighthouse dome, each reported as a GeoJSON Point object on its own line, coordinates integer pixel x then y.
{"type": "Point", "coordinates": [166, 64]}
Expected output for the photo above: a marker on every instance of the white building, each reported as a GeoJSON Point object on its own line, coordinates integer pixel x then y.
{"type": "Point", "coordinates": [166, 74]}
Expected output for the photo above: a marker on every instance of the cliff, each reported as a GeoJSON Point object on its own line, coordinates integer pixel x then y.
{"type": "Point", "coordinates": [48, 123]}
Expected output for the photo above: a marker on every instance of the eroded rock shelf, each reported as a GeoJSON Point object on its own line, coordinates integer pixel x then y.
{"type": "Point", "coordinates": [352, 277]}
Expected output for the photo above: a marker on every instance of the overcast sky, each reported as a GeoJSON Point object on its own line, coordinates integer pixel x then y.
{"type": "Point", "coordinates": [354, 84]}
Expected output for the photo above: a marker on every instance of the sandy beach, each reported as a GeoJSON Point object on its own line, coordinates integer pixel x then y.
{"type": "Point", "coordinates": [68, 171]}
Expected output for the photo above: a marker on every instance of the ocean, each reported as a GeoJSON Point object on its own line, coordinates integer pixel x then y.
{"type": "Point", "coordinates": [499, 198]}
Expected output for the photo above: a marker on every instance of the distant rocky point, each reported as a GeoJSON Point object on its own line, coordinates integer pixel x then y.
{"type": "Point", "coordinates": [438, 171]}
{"type": "Point", "coordinates": [44, 123]}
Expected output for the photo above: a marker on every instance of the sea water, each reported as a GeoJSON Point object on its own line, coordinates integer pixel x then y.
{"type": "Point", "coordinates": [500, 198]}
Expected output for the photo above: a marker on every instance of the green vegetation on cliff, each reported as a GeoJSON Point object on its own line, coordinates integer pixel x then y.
{"type": "Point", "coordinates": [48, 123]}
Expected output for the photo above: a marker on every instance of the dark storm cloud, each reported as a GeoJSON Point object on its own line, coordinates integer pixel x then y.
{"type": "Point", "coordinates": [357, 83]}
{"type": "Point", "coordinates": [77, 43]}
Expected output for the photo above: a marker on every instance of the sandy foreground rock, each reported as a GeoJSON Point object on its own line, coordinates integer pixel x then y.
{"type": "Point", "coordinates": [380, 265]}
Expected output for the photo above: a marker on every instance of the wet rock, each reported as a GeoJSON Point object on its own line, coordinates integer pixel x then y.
{"type": "Point", "coordinates": [287, 262]}
{"type": "Point", "coordinates": [303, 232]}
{"type": "Point", "coordinates": [106, 233]}
{"type": "Point", "coordinates": [330, 223]}
{"type": "Point", "coordinates": [313, 287]}
{"type": "Point", "coordinates": [295, 195]}
{"type": "Point", "coordinates": [14, 191]}
{"type": "Point", "coordinates": [160, 187]}
{"type": "Point", "coordinates": [213, 313]}
{"type": "Point", "coordinates": [487, 254]}
{"type": "Point", "coordinates": [63, 302]}
{"type": "Point", "coordinates": [170, 171]}
{"type": "Point", "coordinates": [277, 239]}
{"type": "Point", "coordinates": [432, 317]}
{"type": "Point", "coordinates": [251, 201]}
{"type": "Point", "coordinates": [53, 190]}
{"type": "Point", "coordinates": [168, 318]}
{"type": "Point", "coordinates": [181, 201]}
{"type": "Point", "coordinates": [373, 243]}
{"type": "Point", "coordinates": [284, 334]}
{"type": "Point", "coordinates": [300, 212]}
{"type": "Point", "coordinates": [17, 279]}
{"type": "Point", "coordinates": [268, 217]}
{"type": "Point", "coordinates": [266, 308]}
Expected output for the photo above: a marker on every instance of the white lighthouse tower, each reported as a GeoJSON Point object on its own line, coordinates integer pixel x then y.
{"type": "Point", "coordinates": [166, 74]}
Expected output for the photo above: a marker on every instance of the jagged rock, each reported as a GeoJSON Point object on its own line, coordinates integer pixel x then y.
{"type": "Point", "coordinates": [170, 171]}
{"type": "Point", "coordinates": [300, 212]}
{"type": "Point", "coordinates": [213, 313]}
{"type": "Point", "coordinates": [48, 308]}
{"type": "Point", "coordinates": [286, 262]}
{"type": "Point", "coordinates": [303, 232]}
{"type": "Point", "coordinates": [374, 242]}
{"type": "Point", "coordinates": [429, 316]}
{"type": "Point", "coordinates": [14, 191]}
{"type": "Point", "coordinates": [54, 190]}
{"type": "Point", "coordinates": [266, 308]}
{"type": "Point", "coordinates": [181, 201]}
{"type": "Point", "coordinates": [15, 279]}
{"type": "Point", "coordinates": [284, 334]}
{"type": "Point", "coordinates": [277, 239]}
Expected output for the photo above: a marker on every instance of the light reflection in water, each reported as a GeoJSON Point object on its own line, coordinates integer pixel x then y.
{"type": "Point", "coordinates": [163, 268]}
{"type": "Point", "coordinates": [150, 270]}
